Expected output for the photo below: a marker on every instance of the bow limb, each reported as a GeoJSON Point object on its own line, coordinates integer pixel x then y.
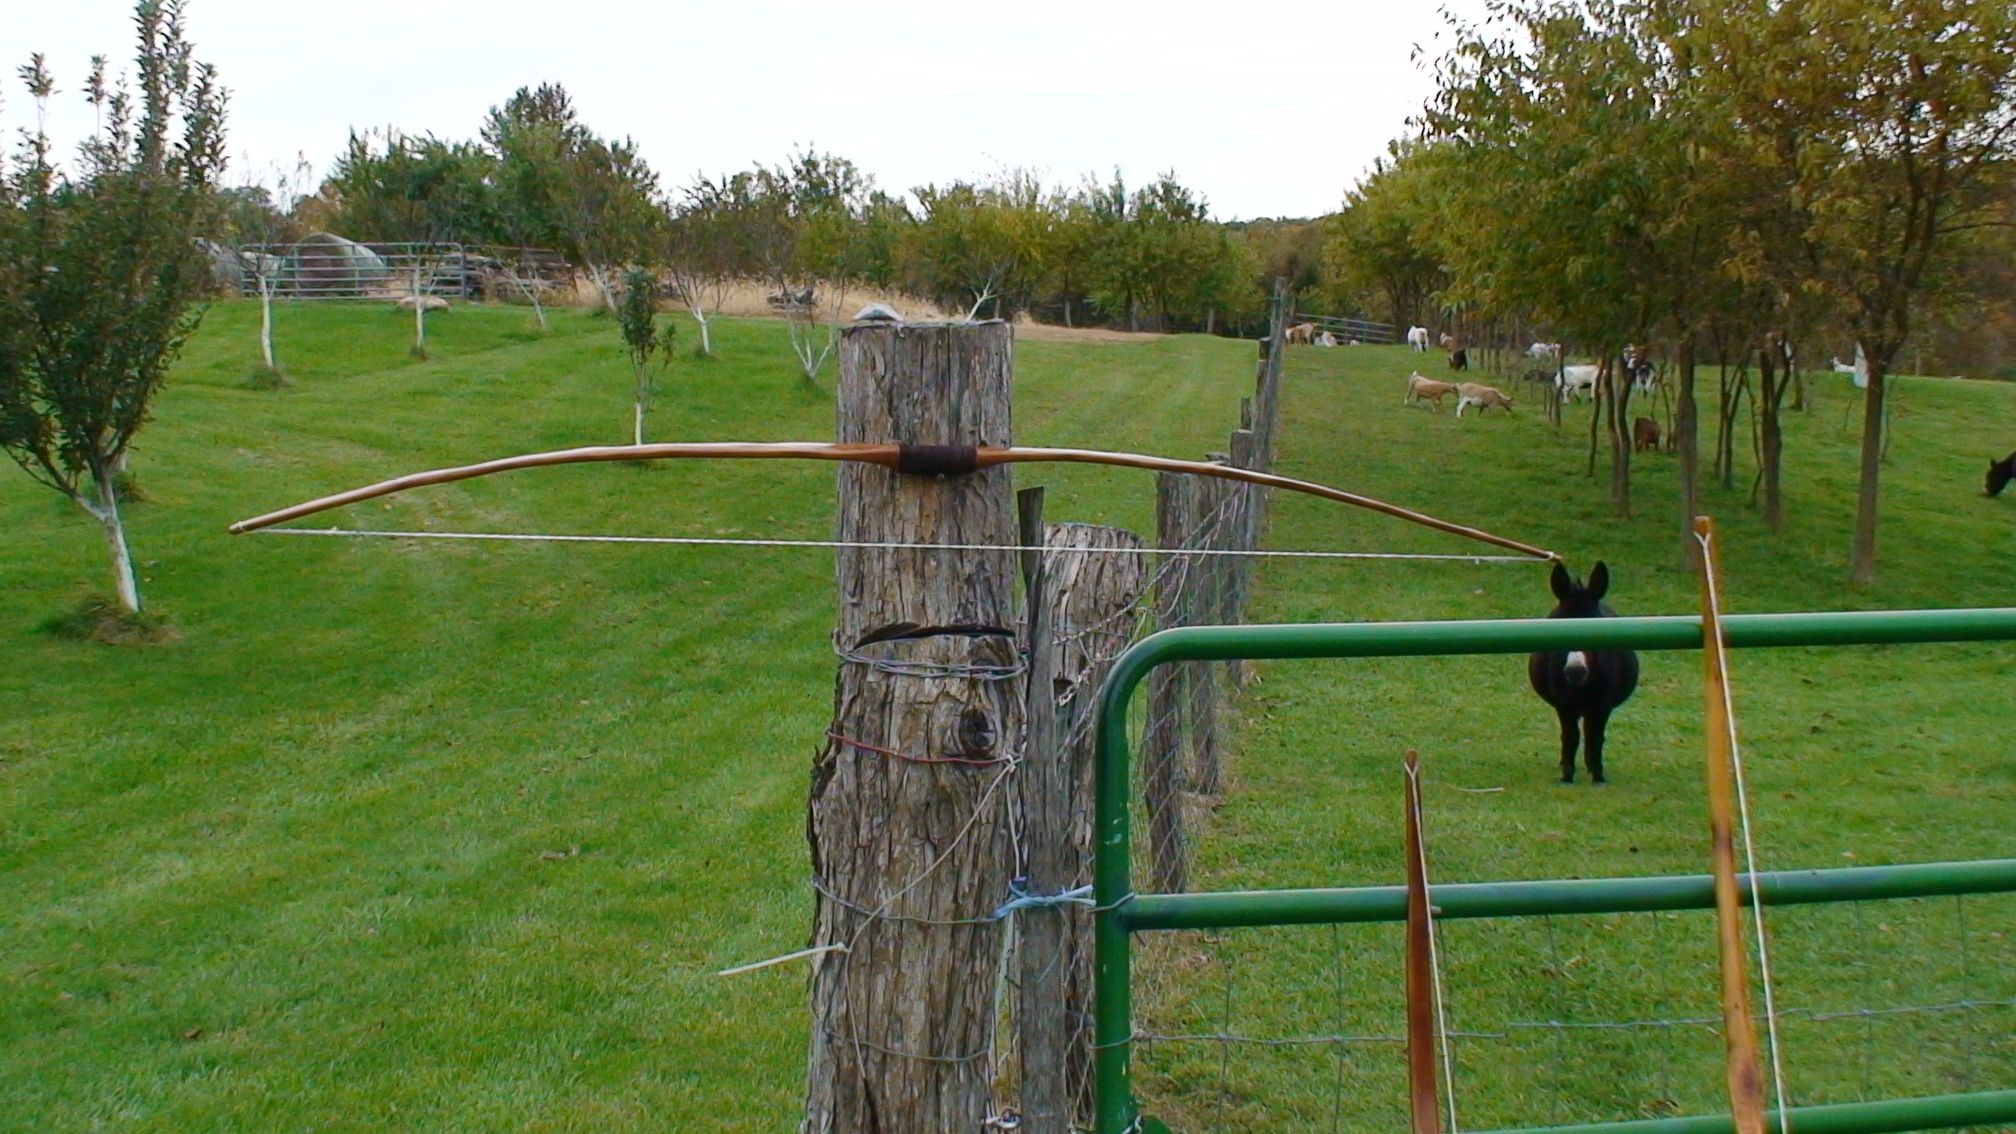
{"type": "Point", "coordinates": [1253, 476]}
{"type": "Point", "coordinates": [907, 458]}
{"type": "Point", "coordinates": [735, 450]}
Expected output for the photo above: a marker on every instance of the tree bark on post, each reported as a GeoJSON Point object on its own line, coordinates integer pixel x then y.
{"type": "Point", "coordinates": [911, 804]}
{"type": "Point", "coordinates": [1044, 790]}
{"type": "Point", "coordinates": [1213, 503]}
{"type": "Point", "coordinates": [1090, 598]}
{"type": "Point", "coordinates": [1245, 537]}
{"type": "Point", "coordinates": [1162, 769]}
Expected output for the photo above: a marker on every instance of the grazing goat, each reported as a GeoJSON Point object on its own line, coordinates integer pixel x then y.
{"type": "Point", "coordinates": [1857, 370]}
{"type": "Point", "coordinates": [1644, 376]}
{"type": "Point", "coordinates": [1644, 435]}
{"type": "Point", "coordinates": [2000, 473]}
{"type": "Point", "coordinates": [1417, 337]}
{"type": "Point", "coordinates": [1459, 359]}
{"type": "Point", "coordinates": [1421, 388]}
{"type": "Point", "coordinates": [1576, 380]}
{"type": "Point", "coordinates": [1584, 686]}
{"type": "Point", "coordinates": [424, 302]}
{"type": "Point", "coordinates": [1302, 333]}
{"type": "Point", "coordinates": [1450, 342]}
{"type": "Point", "coordinates": [1485, 398]}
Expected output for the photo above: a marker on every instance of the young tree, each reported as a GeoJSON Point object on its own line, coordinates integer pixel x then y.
{"type": "Point", "coordinates": [801, 223]}
{"type": "Point", "coordinates": [100, 267]}
{"type": "Point", "coordinates": [650, 349]}
{"type": "Point", "coordinates": [257, 223]}
{"type": "Point", "coordinates": [702, 254]}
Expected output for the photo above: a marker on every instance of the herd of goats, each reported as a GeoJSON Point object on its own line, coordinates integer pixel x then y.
{"type": "Point", "coordinates": [1572, 383]}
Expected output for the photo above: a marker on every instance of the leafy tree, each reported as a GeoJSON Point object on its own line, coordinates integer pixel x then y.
{"type": "Point", "coordinates": [800, 225]}
{"type": "Point", "coordinates": [1379, 244]}
{"type": "Point", "coordinates": [100, 269]}
{"type": "Point", "coordinates": [650, 348]}
{"type": "Point", "coordinates": [702, 254]}
{"type": "Point", "coordinates": [1879, 121]}
{"type": "Point", "coordinates": [390, 187]}
{"type": "Point", "coordinates": [975, 244]}
{"type": "Point", "coordinates": [593, 198]}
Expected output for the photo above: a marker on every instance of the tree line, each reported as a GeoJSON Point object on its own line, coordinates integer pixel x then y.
{"type": "Point", "coordinates": [1101, 253]}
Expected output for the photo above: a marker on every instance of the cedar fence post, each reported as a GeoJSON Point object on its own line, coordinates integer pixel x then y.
{"type": "Point", "coordinates": [911, 803]}
{"type": "Point", "coordinates": [1093, 599]}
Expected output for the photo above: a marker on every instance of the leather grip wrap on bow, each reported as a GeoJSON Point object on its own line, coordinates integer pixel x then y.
{"type": "Point", "coordinates": [937, 460]}
{"type": "Point", "coordinates": [922, 460]}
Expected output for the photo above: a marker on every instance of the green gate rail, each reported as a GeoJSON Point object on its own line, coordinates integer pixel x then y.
{"type": "Point", "coordinates": [1121, 912]}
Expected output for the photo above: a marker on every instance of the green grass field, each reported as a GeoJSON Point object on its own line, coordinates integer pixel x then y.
{"type": "Point", "coordinates": [444, 836]}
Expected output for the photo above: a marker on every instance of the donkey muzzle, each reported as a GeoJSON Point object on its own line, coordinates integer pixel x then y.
{"type": "Point", "coordinates": [1577, 669]}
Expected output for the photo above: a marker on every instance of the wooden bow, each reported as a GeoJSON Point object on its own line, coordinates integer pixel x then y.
{"type": "Point", "coordinates": [919, 459]}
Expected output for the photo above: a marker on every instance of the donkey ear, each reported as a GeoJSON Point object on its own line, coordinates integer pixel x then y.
{"type": "Point", "coordinates": [1599, 581]}
{"type": "Point", "coordinates": [1564, 583]}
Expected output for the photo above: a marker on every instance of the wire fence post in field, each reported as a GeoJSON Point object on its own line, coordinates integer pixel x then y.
{"type": "Point", "coordinates": [1048, 868]}
{"type": "Point", "coordinates": [1162, 761]}
{"type": "Point", "coordinates": [1091, 602]}
{"type": "Point", "coordinates": [911, 812]}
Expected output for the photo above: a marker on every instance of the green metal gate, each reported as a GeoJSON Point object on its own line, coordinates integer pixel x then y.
{"type": "Point", "coordinates": [1121, 912]}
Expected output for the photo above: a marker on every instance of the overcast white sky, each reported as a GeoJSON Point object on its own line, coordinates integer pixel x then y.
{"type": "Point", "coordinates": [1268, 111]}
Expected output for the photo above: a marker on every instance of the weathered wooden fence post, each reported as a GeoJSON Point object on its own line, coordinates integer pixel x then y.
{"type": "Point", "coordinates": [1162, 770]}
{"type": "Point", "coordinates": [1092, 583]}
{"type": "Point", "coordinates": [1212, 531]}
{"type": "Point", "coordinates": [1079, 618]}
{"type": "Point", "coordinates": [911, 803]}
{"type": "Point", "coordinates": [1046, 798]}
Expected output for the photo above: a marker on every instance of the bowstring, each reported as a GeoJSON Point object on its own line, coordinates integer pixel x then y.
{"type": "Point", "coordinates": [874, 545]}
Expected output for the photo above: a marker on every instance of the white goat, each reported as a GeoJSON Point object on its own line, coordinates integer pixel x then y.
{"type": "Point", "coordinates": [1859, 369]}
{"type": "Point", "coordinates": [1417, 337]}
{"type": "Point", "coordinates": [1574, 381]}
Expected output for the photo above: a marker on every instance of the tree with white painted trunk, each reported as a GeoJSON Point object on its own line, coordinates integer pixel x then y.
{"type": "Point", "coordinates": [701, 246]}
{"type": "Point", "coordinates": [258, 221]}
{"type": "Point", "coordinates": [100, 268]}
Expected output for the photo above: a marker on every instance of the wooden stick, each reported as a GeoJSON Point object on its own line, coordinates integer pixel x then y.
{"type": "Point", "coordinates": [1422, 1089]}
{"type": "Point", "coordinates": [1746, 1080]}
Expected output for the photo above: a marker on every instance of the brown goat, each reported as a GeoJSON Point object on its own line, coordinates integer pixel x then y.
{"type": "Point", "coordinates": [1421, 388]}
{"type": "Point", "coordinates": [1485, 398]}
{"type": "Point", "coordinates": [1645, 435]}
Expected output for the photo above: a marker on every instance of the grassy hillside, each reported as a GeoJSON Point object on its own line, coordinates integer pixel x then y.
{"type": "Point", "coordinates": [454, 836]}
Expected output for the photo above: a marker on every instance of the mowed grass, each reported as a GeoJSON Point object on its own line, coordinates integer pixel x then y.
{"type": "Point", "coordinates": [1854, 756]}
{"type": "Point", "coordinates": [452, 836]}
